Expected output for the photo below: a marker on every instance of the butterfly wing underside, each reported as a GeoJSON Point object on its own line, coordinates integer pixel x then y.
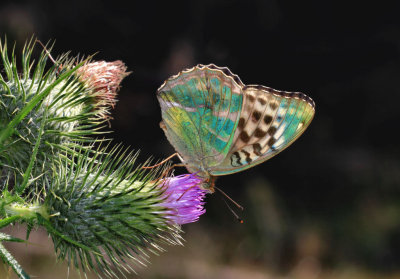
{"type": "Point", "coordinates": [200, 109]}
{"type": "Point", "coordinates": [270, 121]}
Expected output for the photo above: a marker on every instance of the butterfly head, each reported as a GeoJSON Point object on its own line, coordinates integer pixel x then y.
{"type": "Point", "coordinates": [208, 183]}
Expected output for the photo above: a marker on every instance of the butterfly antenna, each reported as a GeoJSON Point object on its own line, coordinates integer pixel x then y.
{"type": "Point", "coordinates": [229, 198]}
{"type": "Point", "coordinates": [233, 212]}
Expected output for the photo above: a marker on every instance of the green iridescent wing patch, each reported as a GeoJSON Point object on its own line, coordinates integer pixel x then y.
{"type": "Point", "coordinates": [220, 126]}
{"type": "Point", "coordinates": [200, 111]}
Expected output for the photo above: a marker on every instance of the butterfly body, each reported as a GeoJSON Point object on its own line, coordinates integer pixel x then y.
{"type": "Point", "coordinates": [220, 126]}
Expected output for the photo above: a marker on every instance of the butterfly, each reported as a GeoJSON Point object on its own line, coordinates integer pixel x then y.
{"type": "Point", "coordinates": [220, 126]}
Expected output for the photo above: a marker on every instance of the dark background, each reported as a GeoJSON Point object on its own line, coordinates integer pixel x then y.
{"type": "Point", "coordinates": [329, 206]}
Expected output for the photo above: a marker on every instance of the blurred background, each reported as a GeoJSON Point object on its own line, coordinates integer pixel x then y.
{"type": "Point", "coordinates": [328, 206]}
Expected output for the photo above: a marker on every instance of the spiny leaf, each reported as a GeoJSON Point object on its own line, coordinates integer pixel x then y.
{"type": "Point", "coordinates": [9, 259]}
{"type": "Point", "coordinates": [7, 221]}
{"type": "Point", "coordinates": [6, 237]}
{"type": "Point", "coordinates": [21, 188]}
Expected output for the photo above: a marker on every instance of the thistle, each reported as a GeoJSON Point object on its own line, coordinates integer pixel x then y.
{"type": "Point", "coordinates": [43, 113]}
{"type": "Point", "coordinates": [102, 210]}
{"type": "Point", "coordinates": [116, 210]}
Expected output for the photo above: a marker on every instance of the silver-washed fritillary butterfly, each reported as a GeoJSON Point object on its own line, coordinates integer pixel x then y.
{"type": "Point", "coordinates": [220, 126]}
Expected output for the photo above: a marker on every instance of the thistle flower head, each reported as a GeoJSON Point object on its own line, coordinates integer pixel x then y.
{"type": "Point", "coordinates": [104, 78]}
{"type": "Point", "coordinates": [183, 198]}
{"type": "Point", "coordinates": [111, 208]}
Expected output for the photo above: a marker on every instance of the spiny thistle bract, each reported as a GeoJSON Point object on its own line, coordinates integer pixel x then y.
{"type": "Point", "coordinates": [99, 208]}
{"type": "Point", "coordinates": [113, 209]}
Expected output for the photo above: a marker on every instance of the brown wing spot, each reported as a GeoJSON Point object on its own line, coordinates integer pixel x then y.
{"type": "Point", "coordinates": [257, 149]}
{"type": "Point", "coordinates": [241, 123]}
{"type": "Point", "coordinates": [273, 105]}
{"type": "Point", "coordinates": [262, 101]}
{"type": "Point", "coordinates": [251, 98]}
{"type": "Point", "coordinates": [256, 116]}
{"type": "Point", "coordinates": [260, 133]}
{"type": "Point", "coordinates": [271, 141]}
{"type": "Point", "coordinates": [271, 131]}
{"type": "Point", "coordinates": [244, 136]}
{"type": "Point", "coordinates": [208, 84]}
{"type": "Point", "coordinates": [267, 119]}
{"type": "Point", "coordinates": [247, 154]}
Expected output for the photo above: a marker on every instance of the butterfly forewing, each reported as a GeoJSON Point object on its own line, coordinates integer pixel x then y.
{"type": "Point", "coordinates": [270, 121]}
{"type": "Point", "coordinates": [200, 110]}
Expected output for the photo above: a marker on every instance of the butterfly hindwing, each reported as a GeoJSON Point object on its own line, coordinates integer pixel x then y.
{"type": "Point", "coordinates": [270, 121]}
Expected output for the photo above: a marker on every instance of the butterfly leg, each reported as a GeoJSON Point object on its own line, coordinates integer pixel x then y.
{"type": "Point", "coordinates": [163, 161]}
{"type": "Point", "coordinates": [190, 188]}
{"type": "Point", "coordinates": [167, 171]}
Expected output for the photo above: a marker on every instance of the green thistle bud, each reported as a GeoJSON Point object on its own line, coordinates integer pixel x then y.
{"type": "Point", "coordinates": [117, 212]}
{"type": "Point", "coordinates": [45, 112]}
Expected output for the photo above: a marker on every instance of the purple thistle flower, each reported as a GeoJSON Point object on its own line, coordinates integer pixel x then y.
{"type": "Point", "coordinates": [183, 198]}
